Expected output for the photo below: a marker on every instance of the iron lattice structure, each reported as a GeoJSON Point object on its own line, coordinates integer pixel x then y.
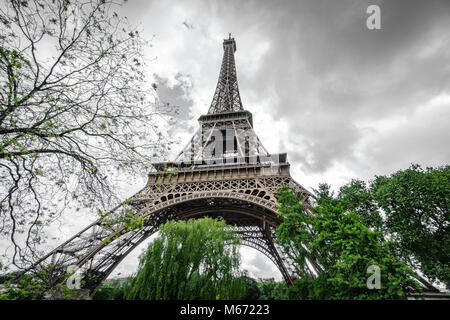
{"type": "Point", "coordinates": [223, 171]}
{"type": "Point", "coordinates": [226, 97]}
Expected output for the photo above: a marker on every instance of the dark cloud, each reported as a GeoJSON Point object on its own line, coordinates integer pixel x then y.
{"type": "Point", "coordinates": [177, 93]}
{"type": "Point", "coordinates": [332, 75]}
{"type": "Point", "coordinates": [314, 67]}
{"type": "Point", "coordinates": [174, 94]}
{"type": "Point", "coordinates": [423, 139]}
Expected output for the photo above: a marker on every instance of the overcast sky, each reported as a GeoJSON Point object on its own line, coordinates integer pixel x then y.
{"type": "Point", "coordinates": [343, 101]}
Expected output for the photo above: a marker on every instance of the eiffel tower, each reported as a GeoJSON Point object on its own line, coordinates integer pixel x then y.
{"type": "Point", "coordinates": [223, 171]}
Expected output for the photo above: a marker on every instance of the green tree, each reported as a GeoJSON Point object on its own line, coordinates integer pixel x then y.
{"type": "Point", "coordinates": [416, 203]}
{"type": "Point", "coordinates": [252, 291]}
{"type": "Point", "coordinates": [272, 290]}
{"type": "Point", "coordinates": [410, 208]}
{"type": "Point", "coordinates": [29, 287]}
{"type": "Point", "coordinates": [332, 251]}
{"type": "Point", "coordinates": [194, 259]}
{"type": "Point", "coordinates": [356, 196]}
{"type": "Point", "coordinates": [110, 291]}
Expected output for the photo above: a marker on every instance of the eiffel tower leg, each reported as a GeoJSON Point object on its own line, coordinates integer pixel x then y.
{"type": "Point", "coordinates": [276, 255]}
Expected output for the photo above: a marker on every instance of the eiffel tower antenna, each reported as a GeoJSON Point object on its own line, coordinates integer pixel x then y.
{"type": "Point", "coordinates": [226, 97]}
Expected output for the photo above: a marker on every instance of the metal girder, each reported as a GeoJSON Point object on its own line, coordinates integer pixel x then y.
{"type": "Point", "coordinates": [223, 171]}
{"type": "Point", "coordinates": [226, 97]}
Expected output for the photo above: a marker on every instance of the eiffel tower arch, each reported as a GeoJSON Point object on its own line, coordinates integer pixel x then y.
{"type": "Point", "coordinates": [224, 170]}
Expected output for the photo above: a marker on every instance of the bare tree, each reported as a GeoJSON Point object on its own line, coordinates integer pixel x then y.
{"type": "Point", "coordinates": [73, 107]}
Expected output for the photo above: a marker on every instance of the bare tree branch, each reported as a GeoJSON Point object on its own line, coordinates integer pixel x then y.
{"type": "Point", "coordinates": [74, 107]}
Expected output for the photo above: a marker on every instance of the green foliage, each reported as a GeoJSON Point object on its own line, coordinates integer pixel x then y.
{"type": "Point", "coordinates": [272, 290]}
{"type": "Point", "coordinates": [110, 291]}
{"type": "Point", "coordinates": [356, 197]}
{"type": "Point", "coordinates": [252, 291]}
{"type": "Point", "coordinates": [332, 250]}
{"type": "Point", "coordinates": [194, 259]}
{"type": "Point", "coordinates": [7, 276]}
{"type": "Point", "coordinates": [29, 287]}
{"type": "Point", "coordinates": [417, 207]}
{"type": "Point", "coordinates": [35, 286]}
{"type": "Point", "coordinates": [411, 208]}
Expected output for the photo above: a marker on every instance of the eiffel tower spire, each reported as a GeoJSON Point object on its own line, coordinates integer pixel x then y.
{"type": "Point", "coordinates": [226, 132]}
{"type": "Point", "coordinates": [226, 97]}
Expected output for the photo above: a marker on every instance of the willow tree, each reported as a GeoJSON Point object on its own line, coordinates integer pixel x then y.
{"type": "Point", "coordinates": [74, 109]}
{"type": "Point", "coordinates": [194, 259]}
